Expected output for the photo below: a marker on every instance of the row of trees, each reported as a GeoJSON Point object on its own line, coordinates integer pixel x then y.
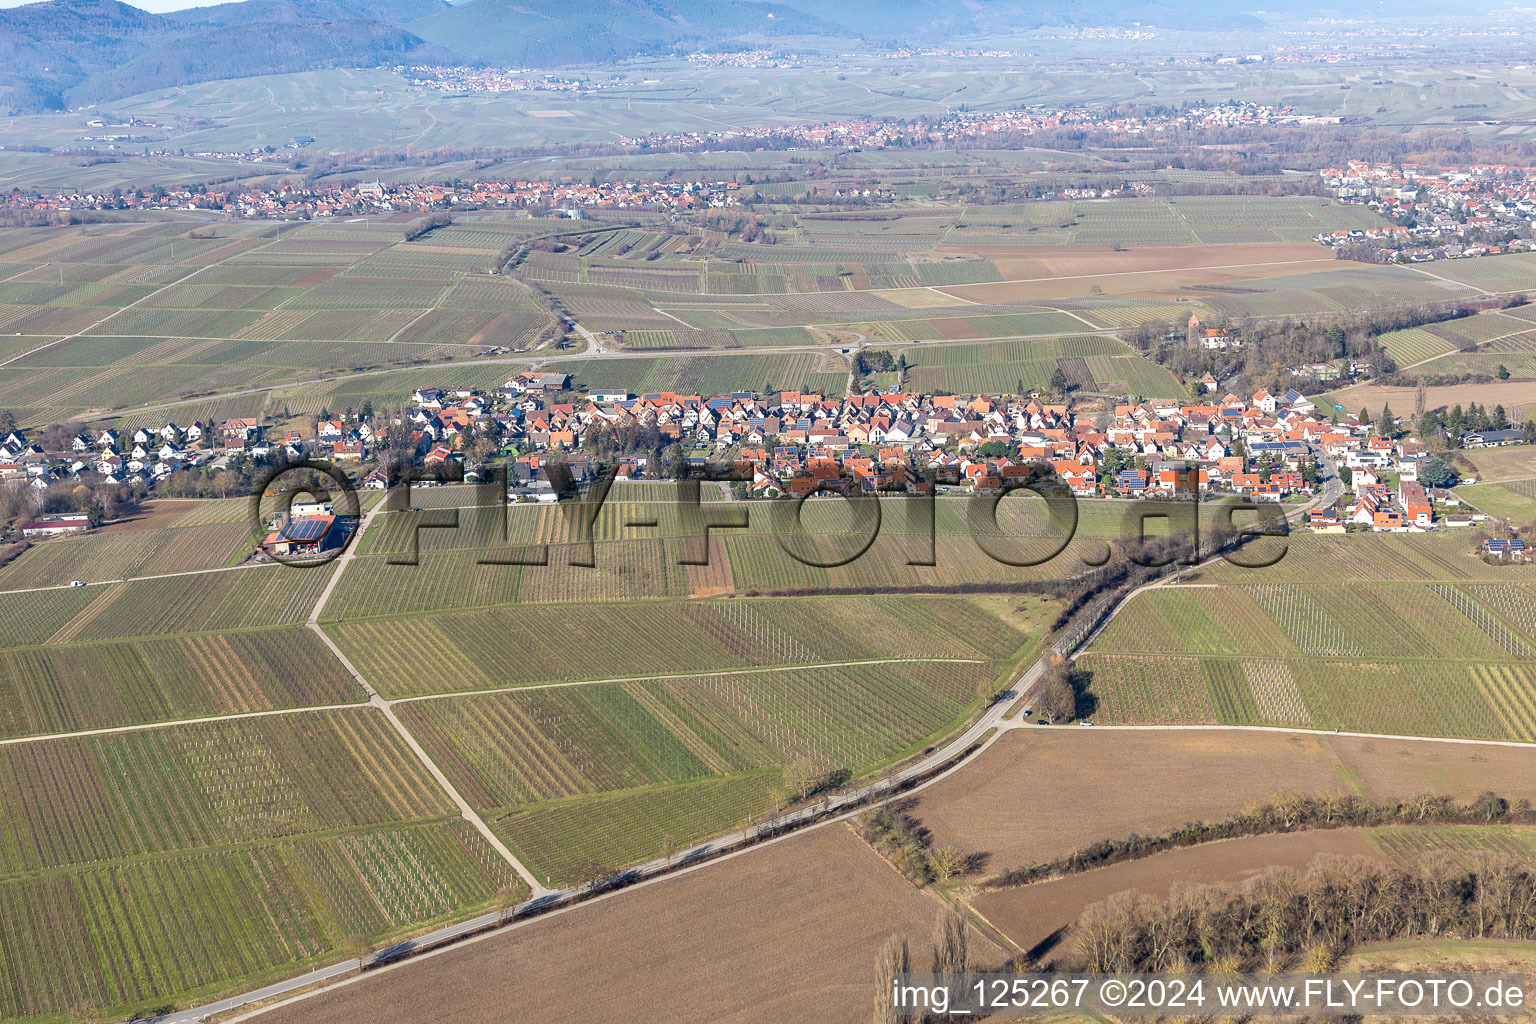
{"type": "Point", "coordinates": [1286, 812]}
{"type": "Point", "coordinates": [905, 843]}
{"type": "Point", "coordinates": [951, 957]}
{"type": "Point", "coordinates": [1337, 903]}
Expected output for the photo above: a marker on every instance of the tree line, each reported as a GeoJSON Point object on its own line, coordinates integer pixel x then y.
{"type": "Point", "coordinates": [1286, 812]}
{"type": "Point", "coordinates": [1338, 903]}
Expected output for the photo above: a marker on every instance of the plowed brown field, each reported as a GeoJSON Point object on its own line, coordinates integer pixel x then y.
{"type": "Point", "coordinates": [784, 934]}
{"type": "Point", "coordinates": [1037, 794]}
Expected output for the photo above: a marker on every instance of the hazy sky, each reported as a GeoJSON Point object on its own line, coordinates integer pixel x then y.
{"type": "Point", "coordinates": [158, 6]}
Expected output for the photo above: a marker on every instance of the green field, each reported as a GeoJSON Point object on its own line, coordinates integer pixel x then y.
{"type": "Point", "coordinates": [1514, 500]}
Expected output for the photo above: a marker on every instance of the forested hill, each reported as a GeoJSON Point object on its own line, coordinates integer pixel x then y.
{"type": "Point", "coordinates": [541, 32]}
{"type": "Point", "coordinates": [73, 52]}
{"type": "Point", "coordinates": [62, 53]}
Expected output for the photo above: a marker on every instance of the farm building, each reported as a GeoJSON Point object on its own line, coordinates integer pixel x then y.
{"type": "Point", "coordinates": [54, 525]}
{"type": "Point", "coordinates": [306, 535]}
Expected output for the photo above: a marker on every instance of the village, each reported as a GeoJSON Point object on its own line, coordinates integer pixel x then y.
{"type": "Point", "coordinates": [1354, 475]}
{"type": "Point", "coordinates": [1435, 213]}
{"type": "Point", "coordinates": [973, 126]}
{"type": "Point", "coordinates": [287, 199]}
{"type": "Point", "coordinates": [293, 201]}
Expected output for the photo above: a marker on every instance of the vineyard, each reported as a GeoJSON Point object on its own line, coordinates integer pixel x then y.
{"type": "Point", "coordinates": [1409, 698]}
{"type": "Point", "coordinates": [555, 837]}
{"type": "Point", "coordinates": [687, 754]}
{"type": "Point", "coordinates": [1463, 843]}
{"type": "Point", "coordinates": [234, 599]}
{"type": "Point", "coordinates": [125, 935]}
{"type": "Point", "coordinates": [1397, 621]}
{"type": "Point", "coordinates": [707, 375]}
{"type": "Point", "coordinates": [92, 686]}
{"type": "Point", "coordinates": [94, 798]}
{"type": "Point", "coordinates": [1382, 557]}
{"type": "Point", "coordinates": [528, 643]}
{"type": "Point", "coordinates": [113, 556]}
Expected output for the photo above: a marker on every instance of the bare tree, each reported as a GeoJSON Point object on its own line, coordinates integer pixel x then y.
{"type": "Point", "coordinates": [893, 961]}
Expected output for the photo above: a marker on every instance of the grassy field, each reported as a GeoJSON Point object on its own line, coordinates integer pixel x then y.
{"type": "Point", "coordinates": [1514, 500]}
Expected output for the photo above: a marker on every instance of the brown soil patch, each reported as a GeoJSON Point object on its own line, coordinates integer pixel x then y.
{"type": "Point", "coordinates": [917, 298]}
{"type": "Point", "coordinates": [716, 577]}
{"type": "Point", "coordinates": [1037, 794]}
{"type": "Point", "coordinates": [320, 275]}
{"type": "Point", "coordinates": [1037, 283]}
{"type": "Point", "coordinates": [152, 515]}
{"type": "Point", "coordinates": [1039, 917]}
{"type": "Point", "coordinates": [1508, 393]}
{"type": "Point", "coordinates": [953, 327]}
{"type": "Point", "coordinates": [761, 937]}
{"type": "Point", "coordinates": [1392, 769]}
{"type": "Point", "coordinates": [484, 332]}
{"type": "Point", "coordinates": [1514, 463]}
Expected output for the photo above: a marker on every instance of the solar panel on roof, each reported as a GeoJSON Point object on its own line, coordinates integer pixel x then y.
{"type": "Point", "coordinates": [306, 529]}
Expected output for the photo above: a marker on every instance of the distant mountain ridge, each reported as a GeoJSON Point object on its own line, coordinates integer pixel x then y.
{"type": "Point", "coordinates": [71, 52]}
{"type": "Point", "coordinates": [545, 32]}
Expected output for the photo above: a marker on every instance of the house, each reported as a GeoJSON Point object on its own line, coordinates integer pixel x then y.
{"type": "Point", "coordinates": [1387, 520]}
{"type": "Point", "coordinates": [305, 536]}
{"type": "Point", "coordinates": [1416, 506]}
{"type": "Point", "coordinates": [1491, 438]}
{"type": "Point", "coordinates": [52, 526]}
{"type": "Point", "coordinates": [345, 450]}
{"type": "Point", "coordinates": [1131, 483]}
{"type": "Point", "coordinates": [1325, 521]}
{"type": "Point", "coordinates": [1510, 550]}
